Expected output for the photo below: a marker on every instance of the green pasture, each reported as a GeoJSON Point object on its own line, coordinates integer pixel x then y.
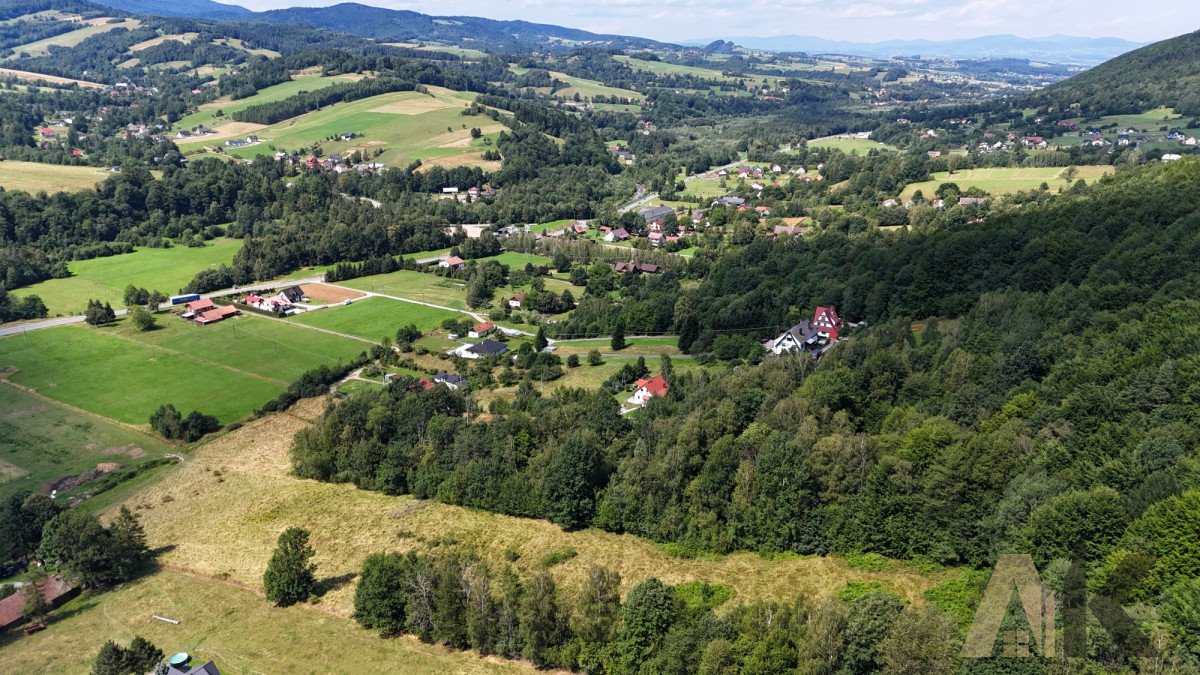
{"type": "Point", "coordinates": [206, 115]}
{"type": "Point", "coordinates": [105, 279]}
{"type": "Point", "coordinates": [41, 441]}
{"type": "Point", "coordinates": [34, 177]}
{"type": "Point", "coordinates": [376, 318]}
{"type": "Point", "coordinates": [849, 146]}
{"type": "Point", "coordinates": [419, 286]}
{"type": "Point", "coordinates": [1001, 181]}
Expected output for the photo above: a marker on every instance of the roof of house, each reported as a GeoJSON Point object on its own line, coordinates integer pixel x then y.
{"type": "Point", "coordinates": [217, 314]}
{"type": "Point", "coordinates": [450, 378]}
{"type": "Point", "coordinates": [789, 229]}
{"type": "Point", "coordinates": [487, 347]}
{"type": "Point", "coordinates": [656, 212]}
{"type": "Point", "coordinates": [655, 386]}
{"type": "Point", "coordinates": [519, 297]}
{"type": "Point", "coordinates": [209, 668]}
{"type": "Point", "coordinates": [199, 305]}
{"type": "Point", "coordinates": [968, 201]}
{"type": "Point", "coordinates": [827, 315]}
{"type": "Point", "coordinates": [620, 233]}
{"type": "Point", "coordinates": [52, 588]}
{"type": "Point", "coordinates": [485, 327]}
{"type": "Point", "coordinates": [455, 260]}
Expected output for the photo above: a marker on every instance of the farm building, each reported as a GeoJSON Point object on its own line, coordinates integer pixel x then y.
{"type": "Point", "coordinates": [629, 267]}
{"type": "Point", "coordinates": [54, 589]}
{"type": "Point", "coordinates": [452, 262]}
{"type": "Point", "coordinates": [196, 307]}
{"type": "Point", "coordinates": [482, 329]}
{"type": "Point", "coordinates": [216, 314]}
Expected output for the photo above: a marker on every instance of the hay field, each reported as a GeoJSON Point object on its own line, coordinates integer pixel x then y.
{"type": "Point", "coordinates": [33, 177]}
{"type": "Point", "coordinates": [1002, 181]}
{"type": "Point", "coordinates": [256, 499]}
{"type": "Point", "coordinates": [73, 38]}
{"type": "Point", "coordinates": [240, 631]}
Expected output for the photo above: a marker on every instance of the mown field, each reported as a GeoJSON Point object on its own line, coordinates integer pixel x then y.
{"type": "Point", "coordinates": [412, 285]}
{"type": "Point", "coordinates": [34, 177]}
{"type": "Point", "coordinates": [1150, 121]}
{"type": "Point", "coordinates": [41, 440]}
{"type": "Point", "coordinates": [227, 369]}
{"type": "Point", "coordinates": [1002, 181]}
{"type": "Point", "coordinates": [257, 498]}
{"type": "Point", "coordinates": [637, 346]}
{"type": "Point", "coordinates": [105, 279]}
{"type": "Point", "coordinates": [584, 87]}
{"type": "Point", "coordinates": [206, 114]}
{"type": "Point", "coordinates": [406, 125]}
{"type": "Point", "coordinates": [240, 631]}
{"type": "Point", "coordinates": [447, 49]}
{"type": "Point", "coordinates": [73, 38]}
{"type": "Point", "coordinates": [375, 318]}
{"type": "Point", "coordinates": [849, 145]}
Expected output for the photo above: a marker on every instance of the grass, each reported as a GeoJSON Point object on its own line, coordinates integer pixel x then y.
{"type": "Point", "coordinates": [519, 260]}
{"type": "Point", "coordinates": [45, 441]}
{"type": "Point", "coordinates": [258, 498]}
{"type": "Point", "coordinates": [72, 38]}
{"type": "Point", "coordinates": [241, 632]}
{"type": "Point", "coordinates": [406, 125]}
{"type": "Point", "coordinates": [105, 279]}
{"type": "Point", "coordinates": [375, 318]}
{"type": "Point", "coordinates": [34, 177]}
{"type": "Point", "coordinates": [643, 346]}
{"type": "Point", "coordinates": [412, 285]}
{"type": "Point", "coordinates": [1149, 121]}
{"type": "Point", "coordinates": [226, 369]}
{"type": "Point", "coordinates": [850, 146]}
{"type": "Point", "coordinates": [28, 76]}
{"type": "Point", "coordinates": [206, 114]}
{"type": "Point", "coordinates": [447, 49]}
{"type": "Point", "coordinates": [1002, 181]}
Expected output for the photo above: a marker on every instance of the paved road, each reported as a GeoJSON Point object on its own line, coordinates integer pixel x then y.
{"type": "Point", "coordinates": [65, 320]}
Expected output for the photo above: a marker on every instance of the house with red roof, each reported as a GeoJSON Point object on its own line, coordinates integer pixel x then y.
{"type": "Point", "coordinates": [216, 314]}
{"type": "Point", "coordinates": [516, 300]}
{"type": "Point", "coordinates": [452, 262]}
{"type": "Point", "coordinates": [482, 329]}
{"type": "Point", "coordinates": [54, 589]}
{"type": "Point", "coordinates": [644, 389]}
{"type": "Point", "coordinates": [827, 322]}
{"type": "Point", "coordinates": [197, 307]}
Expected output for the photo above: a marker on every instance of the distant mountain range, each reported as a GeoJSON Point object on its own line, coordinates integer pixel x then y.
{"type": "Point", "coordinates": [1054, 48]}
{"type": "Point", "coordinates": [391, 25]}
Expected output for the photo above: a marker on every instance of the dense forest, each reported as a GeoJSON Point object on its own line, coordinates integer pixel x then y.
{"type": "Point", "coordinates": [1041, 400]}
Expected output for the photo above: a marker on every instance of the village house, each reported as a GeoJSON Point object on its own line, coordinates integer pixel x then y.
{"type": "Point", "coordinates": [793, 230]}
{"type": "Point", "coordinates": [208, 668]}
{"type": "Point", "coordinates": [618, 234]}
{"type": "Point", "coordinates": [451, 380]}
{"type": "Point", "coordinates": [481, 349]}
{"type": "Point", "coordinates": [515, 301]}
{"type": "Point", "coordinates": [632, 267]}
{"type": "Point", "coordinates": [656, 213]}
{"type": "Point", "coordinates": [452, 262]}
{"type": "Point", "coordinates": [814, 335]}
{"type": "Point", "coordinates": [729, 200]}
{"type": "Point", "coordinates": [482, 329]}
{"type": "Point", "coordinates": [54, 591]}
{"type": "Point", "coordinates": [646, 389]}
{"type": "Point", "coordinates": [216, 314]}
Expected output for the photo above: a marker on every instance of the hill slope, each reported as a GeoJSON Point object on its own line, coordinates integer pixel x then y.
{"type": "Point", "coordinates": [1164, 74]}
{"type": "Point", "coordinates": [389, 25]}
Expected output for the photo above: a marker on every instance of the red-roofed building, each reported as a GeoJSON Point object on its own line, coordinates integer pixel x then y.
{"type": "Point", "coordinates": [827, 322]}
{"type": "Point", "coordinates": [516, 300]}
{"type": "Point", "coordinates": [482, 329]}
{"type": "Point", "coordinates": [216, 314]}
{"type": "Point", "coordinates": [47, 132]}
{"type": "Point", "coordinates": [648, 389]}
{"type": "Point", "coordinates": [54, 589]}
{"type": "Point", "coordinates": [197, 307]}
{"type": "Point", "coordinates": [452, 262]}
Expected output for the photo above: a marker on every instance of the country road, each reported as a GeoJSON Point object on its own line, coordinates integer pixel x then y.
{"type": "Point", "coordinates": [18, 329]}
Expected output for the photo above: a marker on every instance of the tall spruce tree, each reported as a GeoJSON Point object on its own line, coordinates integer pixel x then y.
{"type": "Point", "coordinates": [290, 576]}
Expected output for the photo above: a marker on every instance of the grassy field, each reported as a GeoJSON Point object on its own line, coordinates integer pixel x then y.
{"type": "Point", "coordinates": [519, 259]}
{"type": "Point", "coordinates": [33, 177]}
{"type": "Point", "coordinates": [226, 369]}
{"type": "Point", "coordinates": [446, 49]}
{"type": "Point", "coordinates": [53, 79]}
{"type": "Point", "coordinates": [415, 286]}
{"type": "Point", "coordinates": [183, 38]}
{"type": "Point", "coordinates": [160, 269]}
{"type": "Point", "coordinates": [375, 318]}
{"type": "Point", "coordinates": [240, 631]}
{"type": "Point", "coordinates": [584, 87]}
{"type": "Point", "coordinates": [668, 344]}
{"type": "Point", "coordinates": [41, 441]}
{"type": "Point", "coordinates": [206, 113]}
{"type": "Point", "coordinates": [849, 146]}
{"type": "Point", "coordinates": [73, 38]}
{"type": "Point", "coordinates": [258, 498]}
{"type": "Point", "coordinates": [1150, 120]}
{"type": "Point", "coordinates": [1004, 181]}
{"type": "Point", "coordinates": [406, 125]}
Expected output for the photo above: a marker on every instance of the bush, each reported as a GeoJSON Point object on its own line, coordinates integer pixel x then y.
{"type": "Point", "coordinates": [290, 576]}
{"type": "Point", "coordinates": [558, 557]}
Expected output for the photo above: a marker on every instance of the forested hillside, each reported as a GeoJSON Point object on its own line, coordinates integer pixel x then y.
{"type": "Point", "coordinates": [1165, 73]}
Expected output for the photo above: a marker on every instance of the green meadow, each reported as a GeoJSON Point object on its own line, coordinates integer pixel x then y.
{"type": "Point", "coordinates": [1002, 181]}
{"type": "Point", "coordinates": [206, 115]}
{"type": "Point", "coordinates": [849, 146]}
{"type": "Point", "coordinates": [418, 286]}
{"type": "Point", "coordinates": [105, 279]}
{"type": "Point", "coordinates": [376, 318]}
{"type": "Point", "coordinates": [227, 369]}
{"type": "Point", "coordinates": [41, 441]}
{"type": "Point", "coordinates": [34, 177]}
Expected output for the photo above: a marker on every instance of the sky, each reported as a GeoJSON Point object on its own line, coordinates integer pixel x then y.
{"type": "Point", "coordinates": [856, 20]}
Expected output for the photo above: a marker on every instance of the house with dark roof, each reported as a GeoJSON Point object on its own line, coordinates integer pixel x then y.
{"type": "Point", "coordinates": [813, 335]}
{"type": "Point", "coordinates": [618, 234]}
{"type": "Point", "coordinates": [451, 380]}
{"type": "Point", "coordinates": [482, 349]}
{"type": "Point", "coordinates": [729, 200]}
{"type": "Point", "coordinates": [209, 668]}
{"type": "Point", "coordinates": [656, 213]}
{"type": "Point", "coordinates": [628, 267]}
